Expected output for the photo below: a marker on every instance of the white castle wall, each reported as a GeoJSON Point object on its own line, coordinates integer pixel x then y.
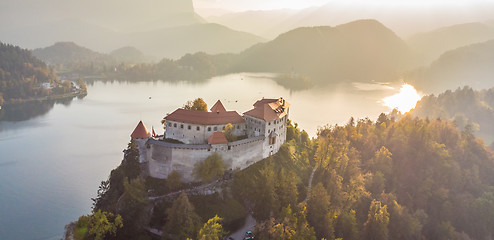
{"type": "Point", "coordinates": [180, 131]}
{"type": "Point", "coordinates": [167, 157]}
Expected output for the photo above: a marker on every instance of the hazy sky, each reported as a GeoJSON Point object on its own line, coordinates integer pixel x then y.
{"type": "Point", "coordinates": [243, 5]}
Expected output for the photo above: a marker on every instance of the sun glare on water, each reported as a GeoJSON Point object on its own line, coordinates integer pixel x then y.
{"type": "Point", "coordinates": [404, 101]}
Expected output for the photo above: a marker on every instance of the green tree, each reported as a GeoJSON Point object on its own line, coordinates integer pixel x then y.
{"type": "Point", "coordinates": [173, 181]}
{"type": "Point", "coordinates": [346, 226]}
{"type": "Point", "coordinates": [182, 219]}
{"type": "Point", "coordinates": [376, 226]}
{"type": "Point", "coordinates": [318, 212]}
{"type": "Point", "coordinates": [212, 230]}
{"type": "Point", "coordinates": [211, 168]}
{"type": "Point", "coordinates": [229, 129]}
{"type": "Point", "coordinates": [132, 207]}
{"type": "Point", "coordinates": [198, 105]}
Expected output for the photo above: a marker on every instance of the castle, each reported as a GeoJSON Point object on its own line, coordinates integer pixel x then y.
{"type": "Point", "coordinates": [191, 136]}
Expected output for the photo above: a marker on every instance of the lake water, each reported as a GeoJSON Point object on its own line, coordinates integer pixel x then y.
{"type": "Point", "coordinates": [52, 164]}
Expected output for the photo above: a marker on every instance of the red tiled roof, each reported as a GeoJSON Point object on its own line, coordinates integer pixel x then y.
{"type": "Point", "coordinates": [264, 101]}
{"type": "Point", "coordinates": [218, 107]}
{"type": "Point", "coordinates": [140, 131]}
{"type": "Point", "coordinates": [205, 118]}
{"type": "Point", "coordinates": [269, 109]}
{"type": "Point", "coordinates": [217, 138]}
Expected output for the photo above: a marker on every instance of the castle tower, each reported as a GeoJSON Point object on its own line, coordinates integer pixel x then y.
{"type": "Point", "coordinates": [141, 135]}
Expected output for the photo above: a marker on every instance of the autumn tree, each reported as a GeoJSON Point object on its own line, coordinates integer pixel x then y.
{"type": "Point", "coordinates": [376, 226]}
{"type": "Point", "coordinates": [212, 230]}
{"type": "Point", "coordinates": [198, 105]}
{"type": "Point", "coordinates": [96, 226]}
{"type": "Point", "coordinates": [229, 133]}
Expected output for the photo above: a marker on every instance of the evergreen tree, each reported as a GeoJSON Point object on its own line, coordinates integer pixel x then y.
{"type": "Point", "coordinates": [182, 220]}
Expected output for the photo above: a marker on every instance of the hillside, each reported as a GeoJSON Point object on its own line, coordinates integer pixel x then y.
{"type": "Point", "coordinates": [21, 75]}
{"type": "Point", "coordinates": [332, 54]}
{"type": "Point", "coordinates": [470, 65]}
{"type": "Point", "coordinates": [465, 106]}
{"type": "Point", "coordinates": [432, 44]}
{"type": "Point", "coordinates": [178, 41]}
{"type": "Point", "coordinates": [389, 179]}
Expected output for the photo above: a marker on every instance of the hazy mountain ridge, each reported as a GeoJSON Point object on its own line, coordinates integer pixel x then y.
{"type": "Point", "coordinates": [332, 54]}
{"type": "Point", "coordinates": [470, 65]}
{"type": "Point", "coordinates": [405, 18]}
{"type": "Point", "coordinates": [434, 43]}
{"type": "Point", "coordinates": [168, 28]}
{"type": "Point", "coordinates": [209, 37]}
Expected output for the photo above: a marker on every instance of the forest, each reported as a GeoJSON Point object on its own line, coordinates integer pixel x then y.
{"type": "Point", "coordinates": [466, 107]}
{"type": "Point", "coordinates": [21, 76]}
{"type": "Point", "coordinates": [400, 177]}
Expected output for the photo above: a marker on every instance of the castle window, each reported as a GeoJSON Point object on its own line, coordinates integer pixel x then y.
{"type": "Point", "coordinates": [198, 128]}
{"type": "Point", "coordinates": [229, 147]}
{"type": "Point", "coordinates": [215, 129]}
{"type": "Point", "coordinates": [169, 124]}
{"type": "Point", "coordinates": [209, 129]}
{"type": "Point", "coordinates": [269, 123]}
{"type": "Point", "coordinates": [174, 125]}
{"type": "Point", "coordinates": [238, 126]}
{"type": "Point", "coordinates": [189, 127]}
{"type": "Point", "coordinates": [224, 127]}
{"type": "Point", "coordinates": [181, 126]}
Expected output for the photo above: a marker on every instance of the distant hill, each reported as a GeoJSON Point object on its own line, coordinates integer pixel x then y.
{"type": "Point", "coordinates": [21, 74]}
{"type": "Point", "coordinates": [129, 55]}
{"type": "Point", "coordinates": [68, 57]}
{"type": "Point", "coordinates": [69, 52]}
{"type": "Point", "coordinates": [176, 42]}
{"type": "Point", "coordinates": [471, 65]}
{"type": "Point", "coordinates": [434, 43]}
{"type": "Point", "coordinates": [363, 50]}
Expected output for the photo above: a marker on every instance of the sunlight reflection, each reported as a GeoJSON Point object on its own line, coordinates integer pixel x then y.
{"type": "Point", "coordinates": [404, 101]}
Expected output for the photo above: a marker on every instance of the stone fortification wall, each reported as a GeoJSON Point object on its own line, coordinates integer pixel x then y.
{"type": "Point", "coordinates": [163, 157]}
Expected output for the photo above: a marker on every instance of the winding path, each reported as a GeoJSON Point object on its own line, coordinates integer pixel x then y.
{"type": "Point", "coordinates": [310, 183]}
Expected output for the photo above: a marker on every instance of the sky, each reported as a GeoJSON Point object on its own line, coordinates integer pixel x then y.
{"type": "Point", "coordinates": [244, 5]}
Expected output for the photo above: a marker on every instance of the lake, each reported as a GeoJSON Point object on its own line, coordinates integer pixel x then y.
{"type": "Point", "coordinates": [53, 156]}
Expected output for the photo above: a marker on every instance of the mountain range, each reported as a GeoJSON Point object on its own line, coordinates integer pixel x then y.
{"type": "Point", "coordinates": [430, 45]}
{"type": "Point", "coordinates": [470, 65]}
{"type": "Point", "coordinates": [170, 28]}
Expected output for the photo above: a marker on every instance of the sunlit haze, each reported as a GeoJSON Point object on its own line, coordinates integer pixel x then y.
{"type": "Point", "coordinates": [405, 100]}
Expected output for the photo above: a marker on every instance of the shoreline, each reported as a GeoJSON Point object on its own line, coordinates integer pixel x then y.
{"type": "Point", "coordinates": [46, 98]}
